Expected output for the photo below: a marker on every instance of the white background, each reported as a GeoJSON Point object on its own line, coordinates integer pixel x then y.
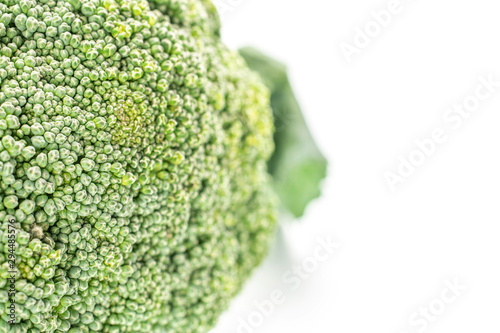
{"type": "Point", "coordinates": [397, 248]}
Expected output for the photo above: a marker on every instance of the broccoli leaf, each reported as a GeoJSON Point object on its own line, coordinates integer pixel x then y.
{"type": "Point", "coordinates": [297, 165]}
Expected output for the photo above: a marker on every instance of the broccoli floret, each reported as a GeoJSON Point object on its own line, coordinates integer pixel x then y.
{"type": "Point", "coordinates": [133, 164]}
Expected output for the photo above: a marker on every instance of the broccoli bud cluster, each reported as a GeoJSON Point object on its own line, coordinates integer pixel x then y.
{"type": "Point", "coordinates": [133, 159]}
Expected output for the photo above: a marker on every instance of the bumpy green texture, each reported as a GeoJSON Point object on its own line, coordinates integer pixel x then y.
{"type": "Point", "coordinates": [133, 159]}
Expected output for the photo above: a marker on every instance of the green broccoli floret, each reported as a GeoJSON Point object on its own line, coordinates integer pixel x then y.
{"type": "Point", "coordinates": [133, 162]}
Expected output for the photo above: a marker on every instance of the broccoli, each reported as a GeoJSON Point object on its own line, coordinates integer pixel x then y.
{"type": "Point", "coordinates": [133, 166]}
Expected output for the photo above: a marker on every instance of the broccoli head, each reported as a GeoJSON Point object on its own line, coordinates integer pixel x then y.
{"type": "Point", "coordinates": [133, 165]}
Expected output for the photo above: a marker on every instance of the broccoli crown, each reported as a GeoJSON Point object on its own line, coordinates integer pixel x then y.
{"type": "Point", "coordinates": [133, 159]}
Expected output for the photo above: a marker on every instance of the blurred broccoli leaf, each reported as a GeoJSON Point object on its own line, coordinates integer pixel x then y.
{"type": "Point", "coordinates": [297, 165]}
